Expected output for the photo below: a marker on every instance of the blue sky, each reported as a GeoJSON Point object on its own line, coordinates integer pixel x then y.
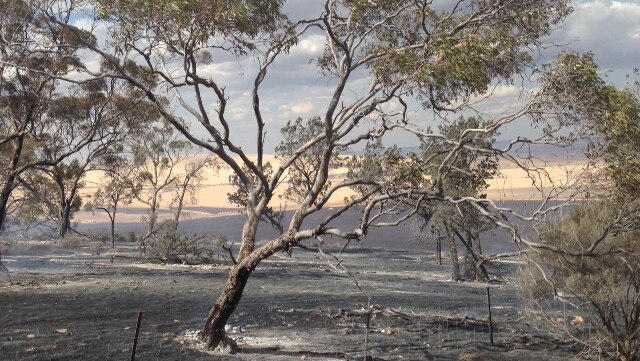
{"type": "Point", "coordinates": [610, 29]}
{"type": "Point", "coordinates": [294, 87]}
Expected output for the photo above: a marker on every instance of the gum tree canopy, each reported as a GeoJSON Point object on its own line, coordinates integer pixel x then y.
{"type": "Point", "coordinates": [381, 59]}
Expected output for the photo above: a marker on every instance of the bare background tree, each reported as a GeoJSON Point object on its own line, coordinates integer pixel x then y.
{"type": "Point", "coordinates": [188, 183]}
{"type": "Point", "coordinates": [116, 190]}
{"type": "Point", "coordinates": [96, 106]}
{"type": "Point", "coordinates": [54, 127]}
{"type": "Point", "coordinates": [157, 153]}
{"type": "Point", "coordinates": [468, 175]}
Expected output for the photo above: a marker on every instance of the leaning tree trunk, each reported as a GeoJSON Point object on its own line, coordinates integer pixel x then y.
{"type": "Point", "coordinates": [213, 333]}
{"type": "Point", "coordinates": [181, 195]}
{"type": "Point", "coordinates": [65, 220]}
{"type": "Point", "coordinates": [9, 183]}
{"type": "Point", "coordinates": [152, 214]}
{"type": "Point", "coordinates": [475, 239]}
{"type": "Point", "coordinates": [480, 270]}
{"type": "Point", "coordinates": [113, 229]}
{"type": "Point", "coordinates": [438, 242]}
{"type": "Point", "coordinates": [453, 253]}
{"type": "Point", "coordinates": [151, 222]}
{"type": "Point", "coordinates": [65, 204]}
{"type": "Point", "coordinates": [4, 201]}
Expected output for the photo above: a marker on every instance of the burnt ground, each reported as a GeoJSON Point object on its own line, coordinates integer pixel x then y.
{"type": "Point", "coordinates": [75, 304]}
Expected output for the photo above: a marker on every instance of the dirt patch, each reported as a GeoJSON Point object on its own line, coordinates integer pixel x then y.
{"type": "Point", "coordinates": [78, 305]}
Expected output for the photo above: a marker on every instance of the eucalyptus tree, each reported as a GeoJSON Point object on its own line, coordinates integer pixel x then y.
{"type": "Point", "coordinates": [52, 120]}
{"type": "Point", "coordinates": [305, 168]}
{"type": "Point", "coordinates": [240, 196]}
{"type": "Point", "coordinates": [50, 195]}
{"type": "Point", "coordinates": [115, 191]}
{"type": "Point", "coordinates": [36, 52]}
{"type": "Point", "coordinates": [589, 257]}
{"type": "Point", "coordinates": [157, 154]}
{"type": "Point", "coordinates": [34, 208]}
{"type": "Point", "coordinates": [436, 55]}
{"type": "Point", "coordinates": [106, 108]}
{"type": "Point", "coordinates": [605, 116]}
{"type": "Point", "coordinates": [467, 175]}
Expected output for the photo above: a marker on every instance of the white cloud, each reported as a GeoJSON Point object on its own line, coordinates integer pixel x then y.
{"type": "Point", "coordinates": [506, 90]}
{"type": "Point", "coordinates": [608, 28]}
{"type": "Point", "coordinates": [298, 108]}
{"type": "Point", "coordinates": [302, 108]}
{"type": "Point", "coordinates": [310, 45]}
{"type": "Point", "coordinates": [223, 71]}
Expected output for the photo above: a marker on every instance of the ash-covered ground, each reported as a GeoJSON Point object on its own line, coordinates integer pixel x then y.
{"type": "Point", "coordinates": [76, 304]}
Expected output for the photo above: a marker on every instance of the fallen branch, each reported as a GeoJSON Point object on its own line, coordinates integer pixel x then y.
{"type": "Point", "coordinates": [340, 266]}
{"type": "Point", "coordinates": [114, 256]}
